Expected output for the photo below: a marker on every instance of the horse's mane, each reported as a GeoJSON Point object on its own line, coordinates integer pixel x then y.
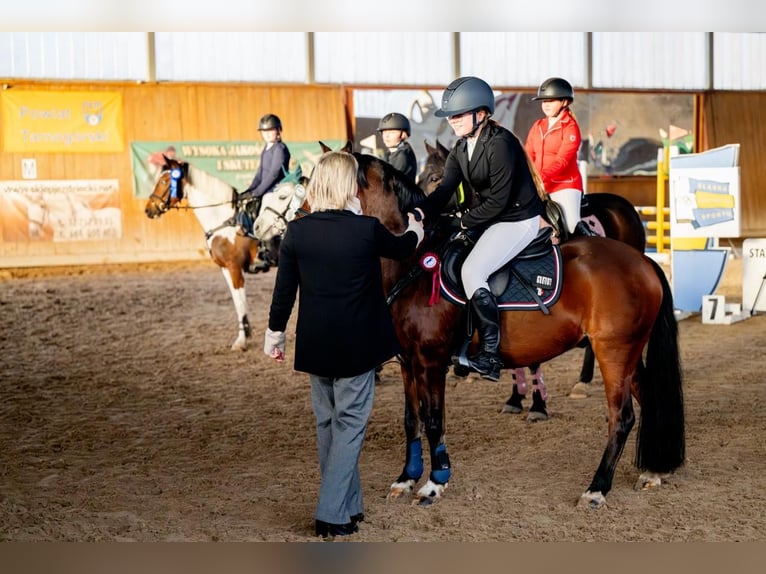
{"type": "Point", "coordinates": [408, 194]}
{"type": "Point", "coordinates": [219, 191]}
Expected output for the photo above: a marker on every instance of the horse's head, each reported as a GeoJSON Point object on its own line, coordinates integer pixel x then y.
{"type": "Point", "coordinates": [278, 207]}
{"type": "Point", "coordinates": [433, 168]}
{"type": "Point", "coordinates": [384, 192]}
{"type": "Point", "coordinates": [168, 190]}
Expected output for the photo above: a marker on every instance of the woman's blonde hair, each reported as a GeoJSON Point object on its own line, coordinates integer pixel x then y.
{"type": "Point", "coordinates": [333, 181]}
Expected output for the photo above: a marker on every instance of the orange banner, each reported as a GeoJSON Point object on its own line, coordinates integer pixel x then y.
{"type": "Point", "coordinates": [61, 121]}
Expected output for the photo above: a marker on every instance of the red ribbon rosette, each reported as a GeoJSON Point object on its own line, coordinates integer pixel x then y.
{"type": "Point", "coordinates": [431, 264]}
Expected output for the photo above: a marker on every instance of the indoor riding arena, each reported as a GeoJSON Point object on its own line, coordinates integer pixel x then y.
{"type": "Point", "coordinates": [125, 415]}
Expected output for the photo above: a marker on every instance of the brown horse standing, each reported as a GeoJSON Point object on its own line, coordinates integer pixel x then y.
{"type": "Point", "coordinates": [614, 295]}
{"type": "Point", "coordinates": [609, 215]}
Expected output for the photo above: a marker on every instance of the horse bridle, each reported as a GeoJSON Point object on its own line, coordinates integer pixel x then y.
{"type": "Point", "coordinates": [173, 190]}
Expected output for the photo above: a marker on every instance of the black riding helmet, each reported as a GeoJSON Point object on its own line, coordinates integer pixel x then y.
{"type": "Point", "coordinates": [269, 122]}
{"type": "Point", "coordinates": [394, 121]}
{"type": "Point", "coordinates": [555, 89]}
{"type": "Point", "coordinates": [466, 94]}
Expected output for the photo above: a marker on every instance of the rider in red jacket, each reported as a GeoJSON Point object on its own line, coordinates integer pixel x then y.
{"type": "Point", "coordinates": [552, 145]}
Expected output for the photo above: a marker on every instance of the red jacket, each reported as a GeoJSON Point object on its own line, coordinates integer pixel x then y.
{"type": "Point", "coordinates": [554, 152]}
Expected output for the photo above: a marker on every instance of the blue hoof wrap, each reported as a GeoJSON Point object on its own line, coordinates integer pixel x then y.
{"type": "Point", "coordinates": [414, 465]}
{"type": "Point", "coordinates": [441, 472]}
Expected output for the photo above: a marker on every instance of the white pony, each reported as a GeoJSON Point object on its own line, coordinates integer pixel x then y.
{"type": "Point", "coordinates": [214, 204]}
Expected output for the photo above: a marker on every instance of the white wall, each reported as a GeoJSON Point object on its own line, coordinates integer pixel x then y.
{"type": "Point", "coordinates": [604, 60]}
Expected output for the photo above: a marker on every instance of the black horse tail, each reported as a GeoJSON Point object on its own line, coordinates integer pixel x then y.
{"type": "Point", "coordinates": [661, 445]}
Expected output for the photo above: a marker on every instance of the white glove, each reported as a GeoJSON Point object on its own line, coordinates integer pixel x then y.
{"type": "Point", "coordinates": [416, 226]}
{"type": "Point", "coordinates": [274, 344]}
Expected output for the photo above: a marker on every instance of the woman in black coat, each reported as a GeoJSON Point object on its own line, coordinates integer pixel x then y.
{"type": "Point", "coordinates": [331, 259]}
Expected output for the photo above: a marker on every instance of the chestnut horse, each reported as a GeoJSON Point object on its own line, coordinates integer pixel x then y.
{"type": "Point", "coordinates": [613, 294]}
{"type": "Point", "coordinates": [609, 215]}
{"type": "Point", "coordinates": [215, 203]}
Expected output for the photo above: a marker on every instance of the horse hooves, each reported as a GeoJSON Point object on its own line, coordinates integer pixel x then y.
{"type": "Point", "coordinates": [239, 347]}
{"type": "Point", "coordinates": [399, 489]}
{"type": "Point", "coordinates": [507, 409]}
{"type": "Point", "coordinates": [594, 500]}
{"type": "Point", "coordinates": [536, 416]}
{"type": "Point", "coordinates": [648, 481]}
{"type": "Point", "coordinates": [580, 391]}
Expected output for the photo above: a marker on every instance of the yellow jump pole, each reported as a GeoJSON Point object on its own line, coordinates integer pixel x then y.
{"type": "Point", "coordinates": [662, 175]}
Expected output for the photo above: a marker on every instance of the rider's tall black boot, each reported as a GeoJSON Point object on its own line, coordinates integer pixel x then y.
{"type": "Point", "coordinates": [584, 229]}
{"type": "Point", "coordinates": [487, 362]}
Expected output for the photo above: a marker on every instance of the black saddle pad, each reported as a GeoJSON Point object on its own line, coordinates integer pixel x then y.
{"type": "Point", "coordinates": [543, 274]}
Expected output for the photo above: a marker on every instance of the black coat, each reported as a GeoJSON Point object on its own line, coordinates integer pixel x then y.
{"type": "Point", "coordinates": [403, 159]}
{"type": "Point", "coordinates": [508, 195]}
{"type": "Point", "coordinates": [344, 327]}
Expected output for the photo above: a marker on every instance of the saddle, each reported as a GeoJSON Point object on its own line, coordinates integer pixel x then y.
{"type": "Point", "coordinates": [532, 280]}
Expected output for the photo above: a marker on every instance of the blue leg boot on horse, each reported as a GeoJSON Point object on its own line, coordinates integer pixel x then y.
{"type": "Point", "coordinates": [487, 362]}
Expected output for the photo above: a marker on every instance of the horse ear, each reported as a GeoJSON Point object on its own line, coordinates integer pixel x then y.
{"type": "Point", "coordinates": [442, 148]}
{"type": "Point", "coordinates": [429, 148]}
{"type": "Point", "coordinates": [348, 147]}
{"type": "Point", "coordinates": [325, 148]}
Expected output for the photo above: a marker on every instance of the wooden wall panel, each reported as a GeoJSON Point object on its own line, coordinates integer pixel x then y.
{"type": "Point", "coordinates": [168, 112]}
{"type": "Point", "coordinates": [740, 117]}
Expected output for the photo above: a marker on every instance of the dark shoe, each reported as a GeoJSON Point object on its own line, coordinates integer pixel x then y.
{"type": "Point", "coordinates": [325, 529]}
{"type": "Point", "coordinates": [357, 518]}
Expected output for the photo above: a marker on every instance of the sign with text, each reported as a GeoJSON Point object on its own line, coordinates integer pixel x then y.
{"type": "Point", "coordinates": [233, 162]}
{"type": "Point", "coordinates": [754, 274]}
{"type": "Point", "coordinates": [84, 122]}
{"type": "Point", "coordinates": [704, 202]}
{"type": "Point", "coordinates": [66, 210]}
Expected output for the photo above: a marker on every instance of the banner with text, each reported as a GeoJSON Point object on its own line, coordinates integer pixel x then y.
{"type": "Point", "coordinates": [66, 210]}
{"type": "Point", "coordinates": [233, 162]}
{"type": "Point", "coordinates": [82, 122]}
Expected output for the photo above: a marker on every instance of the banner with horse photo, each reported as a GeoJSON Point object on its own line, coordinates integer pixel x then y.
{"type": "Point", "coordinates": [66, 210]}
{"type": "Point", "coordinates": [233, 162]}
{"type": "Point", "coordinates": [621, 132]}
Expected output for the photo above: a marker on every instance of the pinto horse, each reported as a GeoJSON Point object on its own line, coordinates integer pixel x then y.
{"type": "Point", "coordinates": [609, 215]}
{"type": "Point", "coordinates": [215, 204]}
{"type": "Point", "coordinates": [611, 293]}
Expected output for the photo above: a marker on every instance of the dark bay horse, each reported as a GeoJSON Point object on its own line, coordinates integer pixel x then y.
{"type": "Point", "coordinates": [609, 215]}
{"type": "Point", "coordinates": [613, 294]}
{"type": "Point", "coordinates": [214, 204]}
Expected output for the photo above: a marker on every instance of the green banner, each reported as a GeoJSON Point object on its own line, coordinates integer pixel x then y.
{"type": "Point", "coordinates": [234, 162]}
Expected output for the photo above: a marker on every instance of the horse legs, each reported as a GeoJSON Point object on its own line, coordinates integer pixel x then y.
{"type": "Point", "coordinates": [538, 410]}
{"type": "Point", "coordinates": [236, 282]}
{"type": "Point", "coordinates": [582, 389]}
{"type": "Point", "coordinates": [518, 392]}
{"type": "Point", "coordinates": [413, 465]}
{"type": "Point", "coordinates": [617, 384]}
{"type": "Point", "coordinates": [430, 401]}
